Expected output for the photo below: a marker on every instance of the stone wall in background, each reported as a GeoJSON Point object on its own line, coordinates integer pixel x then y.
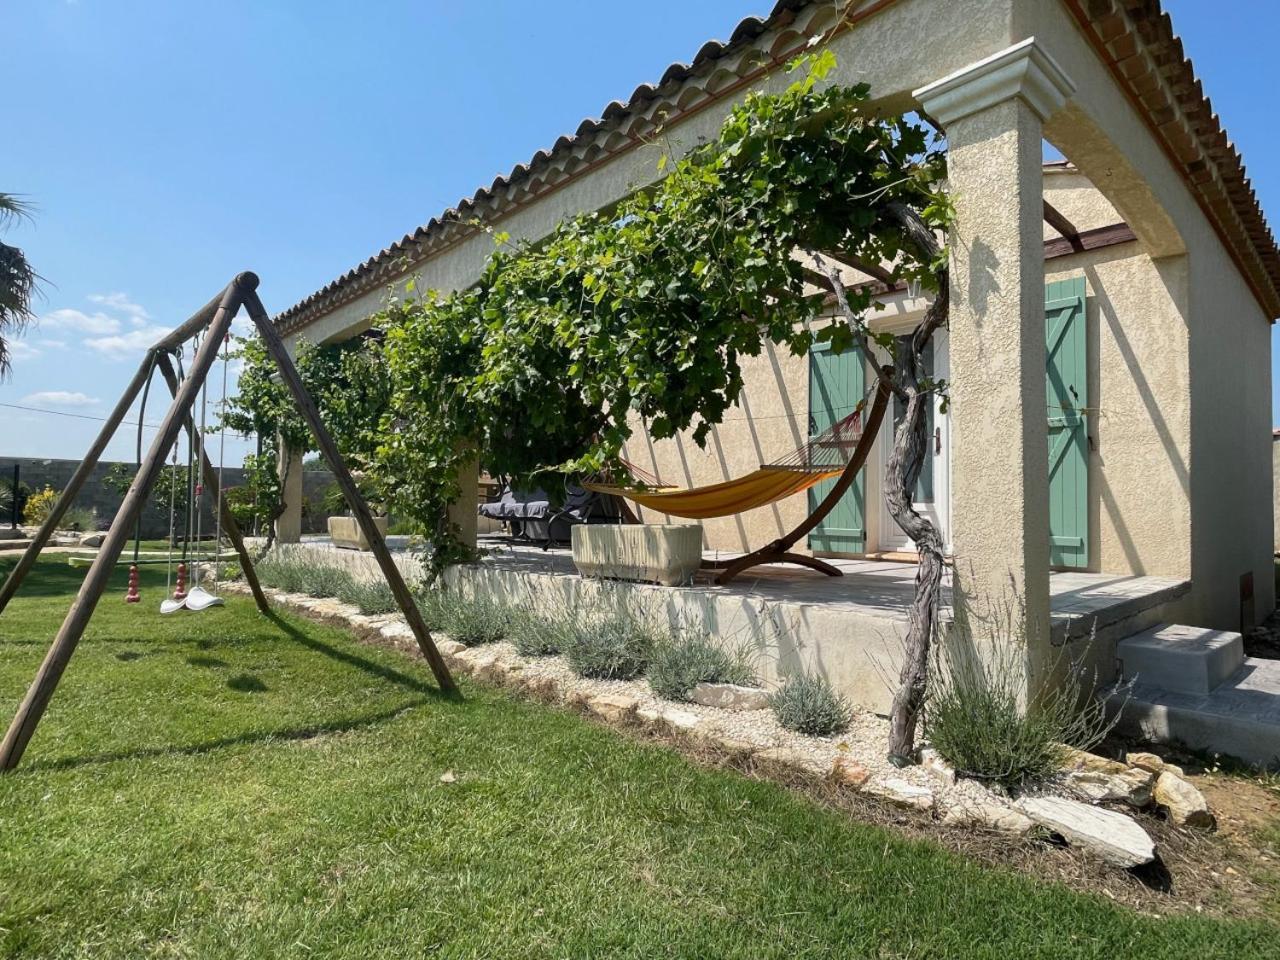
{"type": "Point", "coordinates": [39, 473]}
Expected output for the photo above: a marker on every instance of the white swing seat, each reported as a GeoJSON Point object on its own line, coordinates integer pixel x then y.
{"type": "Point", "coordinates": [201, 599]}
{"type": "Point", "coordinates": [197, 599]}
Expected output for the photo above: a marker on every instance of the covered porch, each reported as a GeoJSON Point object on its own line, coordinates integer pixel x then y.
{"type": "Point", "coordinates": [1175, 327]}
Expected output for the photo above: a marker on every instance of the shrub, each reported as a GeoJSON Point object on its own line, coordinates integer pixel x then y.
{"type": "Point", "coordinates": [81, 519]}
{"type": "Point", "coordinates": [371, 596]}
{"type": "Point", "coordinates": [616, 646]}
{"type": "Point", "coordinates": [297, 576]}
{"type": "Point", "coordinates": [537, 635]}
{"type": "Point", "coordinates": [679, 665]}
{"type": "Point", "coordinates": [806, 703]}
{"type": "Point", "coordinates": [39, 506]}
{"type": "Point", "coordinates": [469, 620]}
{"type": "Point", "coordinates": [7, 495]}
{"type": "Point", "coordinates": [976, 717]}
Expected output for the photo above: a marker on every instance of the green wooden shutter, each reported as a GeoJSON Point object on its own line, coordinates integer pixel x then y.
{"type": "Point", "coordinates": [1067, 379]}
{"type": "Point", "coordinates": [836, 385]}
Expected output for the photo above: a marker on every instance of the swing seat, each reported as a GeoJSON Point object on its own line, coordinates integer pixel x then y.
{"type": "Point", "coordinates": [197, 599]}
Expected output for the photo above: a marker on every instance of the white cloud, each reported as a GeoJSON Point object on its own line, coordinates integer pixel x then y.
{"type": "Point", "coordinates": [121, 303]}
{"type": "Point", "coordinates": [52, 344]}
{"type": "Point", "coordinates": [21, 350]}
{"type": "Point", "coordinates": [59, 398]}
{"type": "Point", "coordinates": [132, 343]}
{"type": "Point", "coordinates": [79, 321]}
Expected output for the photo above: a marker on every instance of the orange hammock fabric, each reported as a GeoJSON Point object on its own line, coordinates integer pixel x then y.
{"type": "Point", "coordinates": [756, 489]}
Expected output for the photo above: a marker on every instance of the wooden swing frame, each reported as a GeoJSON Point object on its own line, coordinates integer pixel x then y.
{"type": "Point", "coordinates": [779, 551]}
{"type": "Point", "coordinates": [214, 319]}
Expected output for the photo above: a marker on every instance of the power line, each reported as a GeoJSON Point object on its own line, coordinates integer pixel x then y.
{"type": "Point", "coordinates": [89, 416]}
{"type": "Point", "coordinates": [78, 416]}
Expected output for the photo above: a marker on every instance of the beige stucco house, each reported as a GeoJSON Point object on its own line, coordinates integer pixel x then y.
{"type": "Point", "coordinates": [1144, 251]}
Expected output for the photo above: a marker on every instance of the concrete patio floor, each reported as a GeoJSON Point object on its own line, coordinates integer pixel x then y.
{"type": "Point", "coordinates": [1079, 601]}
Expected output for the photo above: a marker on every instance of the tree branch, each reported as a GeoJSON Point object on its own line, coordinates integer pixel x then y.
{"type": "Point", "coordinates": [856, 326]}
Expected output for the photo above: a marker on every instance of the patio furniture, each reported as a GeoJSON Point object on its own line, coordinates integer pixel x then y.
{"type": "Point", "coordinates": [666, 553]}
{"type": "Point", "coordinates": [840, 451]}
{"type": "Point", "coordinates": [530, 515]}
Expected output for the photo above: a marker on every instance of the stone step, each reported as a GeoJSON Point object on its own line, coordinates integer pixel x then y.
{"type": "Point", "coordinates": [1192, 660]}
{"type": "Point", "coordinates": [1239, 717]}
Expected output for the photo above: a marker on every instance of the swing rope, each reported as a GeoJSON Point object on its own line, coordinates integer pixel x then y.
{"type": "Point", "coordinates": [222, 449]}
{"type": "Point", "coordinates": [200, 459]}
{"type": "Point", "coordinates": [131, 594]}
{"type": "Point", "coordinates": [173, 512]}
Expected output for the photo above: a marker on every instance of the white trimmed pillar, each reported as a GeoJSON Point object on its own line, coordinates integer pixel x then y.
{"type": "Point", "coordinates": [993, 112]}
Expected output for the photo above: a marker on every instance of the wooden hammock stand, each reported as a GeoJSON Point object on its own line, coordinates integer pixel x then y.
{"type": "Point", "coordinates": [779, 551]}
{"type": "Point", "coordinates": [214, 320]}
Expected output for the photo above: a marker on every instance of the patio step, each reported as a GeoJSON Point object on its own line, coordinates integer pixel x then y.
{"type": "Point", "coordinates": [1193, 660]}
{"type": "Point", "coordinates": [1240, 716]}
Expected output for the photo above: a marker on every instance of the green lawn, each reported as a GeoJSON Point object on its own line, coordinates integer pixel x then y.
{"type": "Point", "coordinates": [225, 784]}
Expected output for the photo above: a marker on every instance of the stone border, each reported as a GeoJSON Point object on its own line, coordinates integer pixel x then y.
{"type": "Point", "coordinates": [1067, 809]}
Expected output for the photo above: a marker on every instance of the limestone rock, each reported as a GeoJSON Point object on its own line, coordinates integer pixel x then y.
{"type": "Point", "coordinates": [612, 707]}
{"type": "Point", "coordinates": [650, 715]}
{"type": "Point", "coordinates": [976, 807]}
{"type": "Point", "coordinates": [1080, 760]}
{"type": "Point", "coordinates": [396, 630]}
{"type": "Point", "coordinates": [450, 648]}
{"type": "Point", "coordinates": [1131, 785]}
{"type": "Point", "coordinates": [1185, 804]}
{"type": "Point", "coordinates": [729, 696]}
{"type": "Point", "coordinates": [900, 792]}
{"type": "Point", "coordinates": [848, 771]}
{"type": "Point", "coordinates": [1113, 836]}
{"type": "Point", "coordinates": [1144, 761]}
{"type": "Point", "coordinates": [93, 540]}
{"type": "Point", "coordinates": [933, 762]}
{"type": "Point", "coordinates": [681, 719]}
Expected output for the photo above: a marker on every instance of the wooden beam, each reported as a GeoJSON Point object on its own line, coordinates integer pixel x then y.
{"type": "Point", "coordinates": [64, 644]}
{"type": "Point", "coordinates": [72, 489]}
{"type": "Point", "coordinates": [817, 279]}
{"type": "Point", "coordinates": [185, 331]}
{"type": "Point", "coordinates": [1090, 240]}
{"type": "Point", "coordinates": [329, 449]}
{"type": "Point", "coordinates": [1055, 219]}
{"type": "Point", "coordinates": [211, 482]}
{"type": "Point", "coordinates": [873, 270]}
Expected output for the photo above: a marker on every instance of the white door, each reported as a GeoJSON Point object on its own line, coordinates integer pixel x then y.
{"type": "Point", "coordinates": [933, 489]}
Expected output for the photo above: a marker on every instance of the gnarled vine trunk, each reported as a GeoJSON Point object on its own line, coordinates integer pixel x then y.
{"type": "Point", "coordinates": [910, 447]}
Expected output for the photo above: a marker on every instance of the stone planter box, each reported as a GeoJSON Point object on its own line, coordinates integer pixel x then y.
{"type": "Point", "coordinates": [666, 553]}
{"type": "Point", "coordinates": [345, 532]}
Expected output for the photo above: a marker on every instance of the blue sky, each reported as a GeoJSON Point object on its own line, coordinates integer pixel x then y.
{"type": "Point", "coordinates": [168, 146]}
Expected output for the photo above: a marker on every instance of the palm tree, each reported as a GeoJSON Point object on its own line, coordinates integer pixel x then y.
{"type": "Point", "coordinates": [17, 281]}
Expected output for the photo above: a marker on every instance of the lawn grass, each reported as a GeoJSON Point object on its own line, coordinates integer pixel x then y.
{"type": "Point", "coordinates": [230, 785]}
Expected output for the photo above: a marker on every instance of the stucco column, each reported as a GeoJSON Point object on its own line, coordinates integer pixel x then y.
{"type": "Point", "coordinates": [289, 523]}
{"type": "Point", "coordinates": [993, 113]}
{"type": "Point", "coordinates": [462, 512]}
